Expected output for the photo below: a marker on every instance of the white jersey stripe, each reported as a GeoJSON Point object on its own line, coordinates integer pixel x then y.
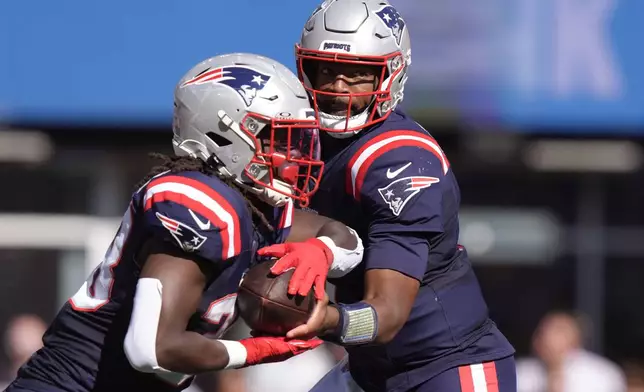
{"type": "Point", "coordinates": [288, 220]}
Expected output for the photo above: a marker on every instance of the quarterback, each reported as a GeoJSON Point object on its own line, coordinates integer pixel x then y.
{"type": "Point", "coordinates": [412, 316]}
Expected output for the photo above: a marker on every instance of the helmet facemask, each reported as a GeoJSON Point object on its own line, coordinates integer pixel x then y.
{"type": "Point", "coordinates": [286, 160]}
{"type": "Point", "coordinates": [249, 118]}
{"type": "Point", "coordinates": [386, 69]}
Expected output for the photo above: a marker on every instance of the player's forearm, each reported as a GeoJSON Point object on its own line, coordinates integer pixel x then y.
{"type": "Point", "coordinates": [191, 353]}
{"type": "Point", "coordinates": [391, 319]}
{"type": "Point", "coordinates": [391, 294]}
{"type": "Point", "coordinates": [339, 233]}
{"type": "Point", "coordinates": [331, 319]}
{"type": "Point", "coordinates": [344, 245]}
{"type": "Point", "coordinates": [306, 225]}
{"type": "Point", "coordinates": [388, 299]}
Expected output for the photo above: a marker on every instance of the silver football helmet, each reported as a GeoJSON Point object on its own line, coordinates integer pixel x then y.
{"type": "Point", "coordinates": [358, 32]}
{"type": "Point", "coordinates": [250, 118]}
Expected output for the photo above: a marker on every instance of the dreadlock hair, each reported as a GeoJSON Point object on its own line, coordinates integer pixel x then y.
{"type": "Point", "coordinates": [176, 164]}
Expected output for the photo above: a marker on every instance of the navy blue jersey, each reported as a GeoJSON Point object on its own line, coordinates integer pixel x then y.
{"type": "Point", "coordinates": [394, 185]}
{"type": "Point", "coordinates": [83, 348]}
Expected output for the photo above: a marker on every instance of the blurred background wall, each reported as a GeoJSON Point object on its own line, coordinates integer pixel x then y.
{"type": "Point", "coordinates": [539, 105]}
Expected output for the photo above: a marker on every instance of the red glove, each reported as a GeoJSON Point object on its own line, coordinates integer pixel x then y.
{"type": "Point", "coordinates": [275, 349]}
{"type": "Point", "coordinates": [311, 260]}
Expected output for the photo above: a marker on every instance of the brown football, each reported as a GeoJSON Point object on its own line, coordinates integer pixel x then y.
{"type": "Point", "coordinates": [265, 305]}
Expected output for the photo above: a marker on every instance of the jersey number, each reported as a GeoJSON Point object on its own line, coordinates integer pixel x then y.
{"type": "Point", "coordinates": [221, 312]}
{"type": "Point", "coordinates": [95, 292]}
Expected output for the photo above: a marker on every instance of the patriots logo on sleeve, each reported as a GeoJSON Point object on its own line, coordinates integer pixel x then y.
{"type": "Point", "coordinates": [245, 80]}
{"type": "Point", "coordinates": [187, 237]}
{"type": "Point", "coordinates": [399, 192]}
{"type": "Point", "coordinates": [392, 19]}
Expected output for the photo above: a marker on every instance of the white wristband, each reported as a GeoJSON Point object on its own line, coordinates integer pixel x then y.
{"type": "Point", "coordinates": [236, 353]}
{"type": "Point", "coordinates": [344, 260]}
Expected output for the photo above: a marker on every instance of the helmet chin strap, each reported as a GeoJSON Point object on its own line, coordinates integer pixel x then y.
{"type": "Point", "coordinates": [274, 198]}
{"type": "Point", "coordinates": [271, 196]}
{"type": "Point", "coordinates": [280, 192]}
{"type": "Point", "coordinates": [340, 122]}
{"type": "Point", "coordinates": [356, 121]}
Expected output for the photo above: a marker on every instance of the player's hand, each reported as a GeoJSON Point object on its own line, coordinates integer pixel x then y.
{"type": "Point", "coordinates": [315, 325]}
{"type": "Point", "coordinates": [275, 349]}
{"type": "Point", "coordinates": [311, 260]}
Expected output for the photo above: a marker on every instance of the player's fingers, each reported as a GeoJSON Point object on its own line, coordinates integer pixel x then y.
{"type": "Point", "coordinates": [298, 276]}
{"type": "Point", "coordinates": [300, 332]}
{"type": "Point", "coordinates": [307, 283]}
{"type": "Point", "coordinates": [320, 287]}
{"type": "Point", "coordinates": [313, 324]}
{"type": "Point", "coordinates": [283, 264]}
{"type": "Point", "coordinates": [277, 250]}
{"type": "Point", "coordinates": [316, 319]}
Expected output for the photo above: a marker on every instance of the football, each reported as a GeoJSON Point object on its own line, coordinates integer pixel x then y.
{"type": "Point", "coordinates": [265, 305]}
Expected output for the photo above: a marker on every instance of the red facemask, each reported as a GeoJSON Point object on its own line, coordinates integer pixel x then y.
{"type": "Point", "coordinates": [380, 95]}
{"type": "Point", "coordinates": [289, 150]}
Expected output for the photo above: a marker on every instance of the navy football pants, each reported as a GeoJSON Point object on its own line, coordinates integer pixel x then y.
{"type": "Point", "coordinates": [497, 376]}
{"type": "Point", "coordinates": [22, 385]}
{"type": "Point", "coordinates": [337, 379]}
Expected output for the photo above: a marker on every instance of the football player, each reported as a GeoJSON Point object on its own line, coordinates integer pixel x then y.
{"type": "Point", "coordinates": [150, 315]}
{"type": "Point", "coordinates": [411, 316]}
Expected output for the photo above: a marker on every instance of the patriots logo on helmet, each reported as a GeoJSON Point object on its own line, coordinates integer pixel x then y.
{"type": "Point", "coordinates": [187, 237]}
{"type": "Point", "coordinates": [399, 192]}
{"type": "Point", "coordinates": [245, 80]}
{"type": "Point", "coordinates": [392, 19]}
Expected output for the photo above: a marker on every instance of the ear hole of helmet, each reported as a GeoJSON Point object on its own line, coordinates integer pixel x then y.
{"type": "Point", "coordinates": [218, 139]}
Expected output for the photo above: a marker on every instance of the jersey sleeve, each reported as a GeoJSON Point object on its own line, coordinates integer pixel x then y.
{"type": "Point", "coordinates": [399, 180]}
{"type": "Point", "coordinates": [193, 215]}
{"type": "Point", "coordinates": [283, 216]}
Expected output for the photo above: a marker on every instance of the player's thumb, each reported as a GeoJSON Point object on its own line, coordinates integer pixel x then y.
{"type": "Point", "coordinates": [319, 287]}
{"type": "Point", "coordinates": [277, 250]}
